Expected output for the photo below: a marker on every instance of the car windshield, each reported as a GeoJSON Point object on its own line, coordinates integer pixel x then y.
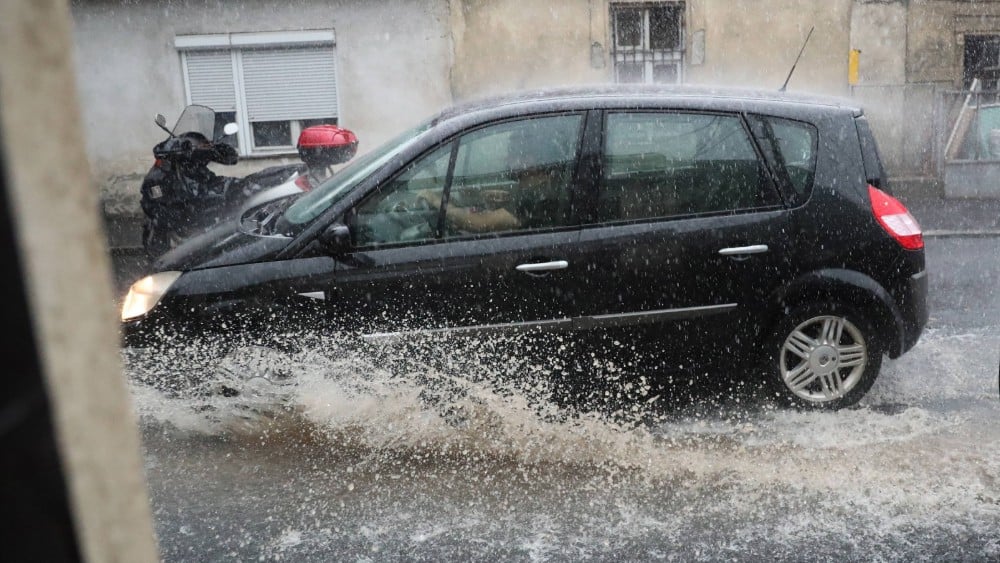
{"type": "Point", "coordinates": [315, 202]}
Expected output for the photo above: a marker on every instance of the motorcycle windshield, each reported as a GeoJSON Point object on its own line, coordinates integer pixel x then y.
{"type": "Point", "coordinates": [196, 119]}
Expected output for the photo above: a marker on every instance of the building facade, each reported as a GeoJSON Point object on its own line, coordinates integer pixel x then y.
{"type": "Point", "coordinates": [378, 67]}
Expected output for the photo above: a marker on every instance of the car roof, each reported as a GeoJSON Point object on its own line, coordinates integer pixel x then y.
{"type": "Point", "coordinates": [714, 96]}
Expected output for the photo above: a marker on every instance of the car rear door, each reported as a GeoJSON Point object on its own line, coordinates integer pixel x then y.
{"type": "Point", "coordinates": [690, 235]}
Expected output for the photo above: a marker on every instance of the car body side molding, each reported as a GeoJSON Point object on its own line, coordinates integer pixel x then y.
{"type": "Point", "coordinates": [574, 323]}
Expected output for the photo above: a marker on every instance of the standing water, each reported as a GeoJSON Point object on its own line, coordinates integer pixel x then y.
{"type": "Point", "coordinates": [335, 452]}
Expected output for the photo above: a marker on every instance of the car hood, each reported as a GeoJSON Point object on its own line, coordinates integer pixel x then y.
{"type": "Point", "coordinates": [225, 245]}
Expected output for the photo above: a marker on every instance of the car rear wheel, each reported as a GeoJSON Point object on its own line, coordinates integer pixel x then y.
{"type": "Point", "coordinates": [824, 356]}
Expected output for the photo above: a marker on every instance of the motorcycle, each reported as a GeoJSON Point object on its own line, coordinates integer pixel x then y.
{"type": "Point", "coordinates": [180, 196]}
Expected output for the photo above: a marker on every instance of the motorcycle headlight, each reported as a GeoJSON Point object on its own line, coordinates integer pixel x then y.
{"type": "Point", "coordinates": [146, 293]}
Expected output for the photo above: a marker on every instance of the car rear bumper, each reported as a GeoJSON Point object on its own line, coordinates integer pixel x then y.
{"type": "Point", "coordinates": [914, 311]}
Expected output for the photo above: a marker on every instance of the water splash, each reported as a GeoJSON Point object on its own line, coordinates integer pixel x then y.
{"type": "Point", "coordinates": [404, 451]}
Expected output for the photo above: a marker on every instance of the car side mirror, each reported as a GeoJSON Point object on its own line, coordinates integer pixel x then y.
{"type": "Point", "coordinates": [336, 239]}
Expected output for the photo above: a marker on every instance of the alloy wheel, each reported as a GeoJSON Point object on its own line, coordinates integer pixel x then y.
{"type": "Point", "coordinates": [823, 358]}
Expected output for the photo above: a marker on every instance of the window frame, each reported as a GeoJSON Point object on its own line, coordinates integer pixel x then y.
{"type": "Point", "coordinates": [971, 55]}
{"type": "Point", "coordinates": [236, 44]}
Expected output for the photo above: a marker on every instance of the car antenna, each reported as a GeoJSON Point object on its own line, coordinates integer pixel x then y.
{"type": "Point", "coordinates": [785, 85]}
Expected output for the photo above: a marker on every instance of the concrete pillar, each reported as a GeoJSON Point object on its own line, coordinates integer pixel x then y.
{"type": "Point", "coordinates": [68, 278]}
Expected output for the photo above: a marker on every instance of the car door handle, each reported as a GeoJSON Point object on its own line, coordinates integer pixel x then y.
{"type": "Point", "coordinates": [543, 266]}
{"type": "Point", "coordinates": [741, 250]}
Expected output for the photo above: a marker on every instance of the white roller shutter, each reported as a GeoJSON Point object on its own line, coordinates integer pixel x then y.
{"type": "Point", "coordinates": [287, 84]}
{"type": "Point", "coordinates": [210, 79]}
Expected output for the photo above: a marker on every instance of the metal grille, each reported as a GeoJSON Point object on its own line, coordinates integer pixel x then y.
{"type": "Point", "coordinates": [648, 42]}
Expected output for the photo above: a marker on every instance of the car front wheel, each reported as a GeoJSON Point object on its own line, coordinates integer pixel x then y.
{"type": "Point", "coordinates": [824, 356]}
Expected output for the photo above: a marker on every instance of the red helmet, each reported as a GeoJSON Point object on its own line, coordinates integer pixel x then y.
{"type": "Point", "coordinates": [326, 145]}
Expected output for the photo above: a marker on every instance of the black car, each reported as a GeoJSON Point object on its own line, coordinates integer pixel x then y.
{"type": "Point", "coordinates": [743, 230]}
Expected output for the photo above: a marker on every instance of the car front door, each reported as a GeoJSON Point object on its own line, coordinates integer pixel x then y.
{"type": "Point", "coordinates": [475, 237]}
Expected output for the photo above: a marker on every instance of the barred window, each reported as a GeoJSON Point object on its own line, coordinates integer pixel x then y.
{"type": "Point", "coordinates": [648, 42]}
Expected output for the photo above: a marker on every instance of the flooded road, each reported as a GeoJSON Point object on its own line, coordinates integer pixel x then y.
{"type": "Point", "coordinates": [352, 463]}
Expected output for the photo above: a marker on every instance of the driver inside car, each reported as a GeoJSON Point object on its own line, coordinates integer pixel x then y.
{"type": "Point", "coordinates": [490, 216]}
{"type": "Point", "coordinates": [526, 189]}
{"type": "Point", "coordinates": [490, 210]}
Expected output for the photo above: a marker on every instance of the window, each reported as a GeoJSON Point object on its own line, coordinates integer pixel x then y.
{"type": "Point", "coordinates": [509, 176]}
{"type": "Point", "coordinates": [981, 60]}
{"type": "Point", "coordinates": [648, 42]}
{"type": "Point", "coordinates": [408, 208]}
{"type": "Point", "coordinates": [271, 84]}
{"type": "Point", "coordinates": [666, 164]}
{"type": "Point", "coordinates": [514, 175]}
{"type": "Point", "coordinates": [793, 145]}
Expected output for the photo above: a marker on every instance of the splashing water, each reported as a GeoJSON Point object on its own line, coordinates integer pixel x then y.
{"type": "Point", "coordinates": [400, 450]}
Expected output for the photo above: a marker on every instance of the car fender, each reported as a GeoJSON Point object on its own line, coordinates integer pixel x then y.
{"type": "Point", "coordinates": [850, 287]}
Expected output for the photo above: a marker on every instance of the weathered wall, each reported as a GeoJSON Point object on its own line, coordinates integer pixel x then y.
{"type": "Point", "coordinates": [503, 45]}
{"type": "Point", "coordinates": [753, 43]}
{"type": "Point", "coordinates": [879, 31]}
{"type": "Point", "coordinates": [401, 60]}
{"type": "Point", "coordinates": [935, 39]}
{"type": "Point", "coordinates": [393, 61]}
{"type": "Point", "coordinates": [932, 52]}
{"type": "Point", "coordinates": [911, 51]}
{"type": "Point", "coordinates": [911, 57]}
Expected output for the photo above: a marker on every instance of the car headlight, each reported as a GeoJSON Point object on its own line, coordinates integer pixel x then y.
{"type": "Point", "coordinates": [145, 293]}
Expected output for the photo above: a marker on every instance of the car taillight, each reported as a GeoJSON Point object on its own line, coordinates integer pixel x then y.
{"type": "Point", "coordinates": [895, 219]}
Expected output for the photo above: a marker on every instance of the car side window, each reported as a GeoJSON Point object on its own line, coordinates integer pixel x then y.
{"type": "Point", "coordinates": [509, 176]}
{"type": "Point", "coordinates": [663, 164]}
{"type": "Point", "coordinates": [514, 175]}
{"type": "Point", "coordinates": [407, 208]}
{"type": "Point", "coordinates": [795, 144]}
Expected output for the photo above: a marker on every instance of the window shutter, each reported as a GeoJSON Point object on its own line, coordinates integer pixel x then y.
{"type": "Point", "coordinates": [286, 84]}
{"type": "Point", "coordinates": [210, 79]}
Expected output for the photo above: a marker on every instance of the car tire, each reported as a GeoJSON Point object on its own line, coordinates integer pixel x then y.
{"type": "Point", "coordinates": [823, 356]}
